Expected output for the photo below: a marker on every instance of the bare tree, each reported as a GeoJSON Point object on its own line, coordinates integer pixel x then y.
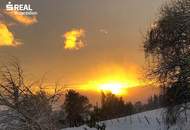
{"type": "Point", "coordinates": [167, 47]}
{"type": "Point", "coordinates": [29, 110]}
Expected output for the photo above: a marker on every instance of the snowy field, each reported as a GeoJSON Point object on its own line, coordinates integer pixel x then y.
{"type": "Point", "coordinates": [150, 120]}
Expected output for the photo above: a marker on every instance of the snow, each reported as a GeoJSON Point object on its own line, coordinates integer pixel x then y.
{"type": "Point", "coordinates": [150, 120]}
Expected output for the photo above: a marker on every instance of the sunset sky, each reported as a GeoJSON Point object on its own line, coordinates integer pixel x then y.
{"type": "Point", "coordinates": [108, 37]}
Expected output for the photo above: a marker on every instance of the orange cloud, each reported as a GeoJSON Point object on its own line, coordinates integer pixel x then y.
{"type": "Point", "coordinates": [26, 20]}
{"type": "Point", "coordinates": [73, 39]}
{"type": "Point", "coordinates": [7, 37]}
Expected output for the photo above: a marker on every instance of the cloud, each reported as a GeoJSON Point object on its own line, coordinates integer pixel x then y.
{"type": "Point", "coordinates": [17, 16]}
{"type": "Point", "coordinates": [7, 37]}
{"type": "Point", "coordinates": [104, 31]}
{"type": "Point", "coordinates": [74, 39]}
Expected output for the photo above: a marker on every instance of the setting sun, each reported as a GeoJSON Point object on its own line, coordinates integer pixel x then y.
{"type": "Point", "coordinates": [115, 79]}
{"type": "Point", "coordinates": [115, 88]}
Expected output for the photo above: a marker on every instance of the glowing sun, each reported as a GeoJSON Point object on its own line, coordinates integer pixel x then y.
{"type": "Point", "coordinates": [115, 88]}
{"type": "Point", "coordinates": [114, 79]}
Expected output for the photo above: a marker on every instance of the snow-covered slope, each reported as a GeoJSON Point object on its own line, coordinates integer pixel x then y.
{"type": "Point", "coordinates": [150, 120]}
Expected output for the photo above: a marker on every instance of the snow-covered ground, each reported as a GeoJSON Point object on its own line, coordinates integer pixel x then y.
{"type": "Point", "coordinates": [150, 120]}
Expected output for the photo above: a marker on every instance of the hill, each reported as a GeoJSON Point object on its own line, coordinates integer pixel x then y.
{"type": "Point", "coordinates": [150, 120]}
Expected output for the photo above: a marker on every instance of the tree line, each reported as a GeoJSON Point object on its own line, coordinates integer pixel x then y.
{"type": "Point", "coordinates": [35, 110]}
{"type": "Point", "coordinates": [77, 109]}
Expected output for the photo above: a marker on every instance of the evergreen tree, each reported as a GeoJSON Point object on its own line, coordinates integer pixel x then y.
{"type": "Point", "coordinates": [77, 108]}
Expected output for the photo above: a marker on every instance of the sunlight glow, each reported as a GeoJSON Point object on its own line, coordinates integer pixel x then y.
{"type": "Point", "coordinates": [115, 88]}
{"type": "Point", "coordinates": [114, 79]}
